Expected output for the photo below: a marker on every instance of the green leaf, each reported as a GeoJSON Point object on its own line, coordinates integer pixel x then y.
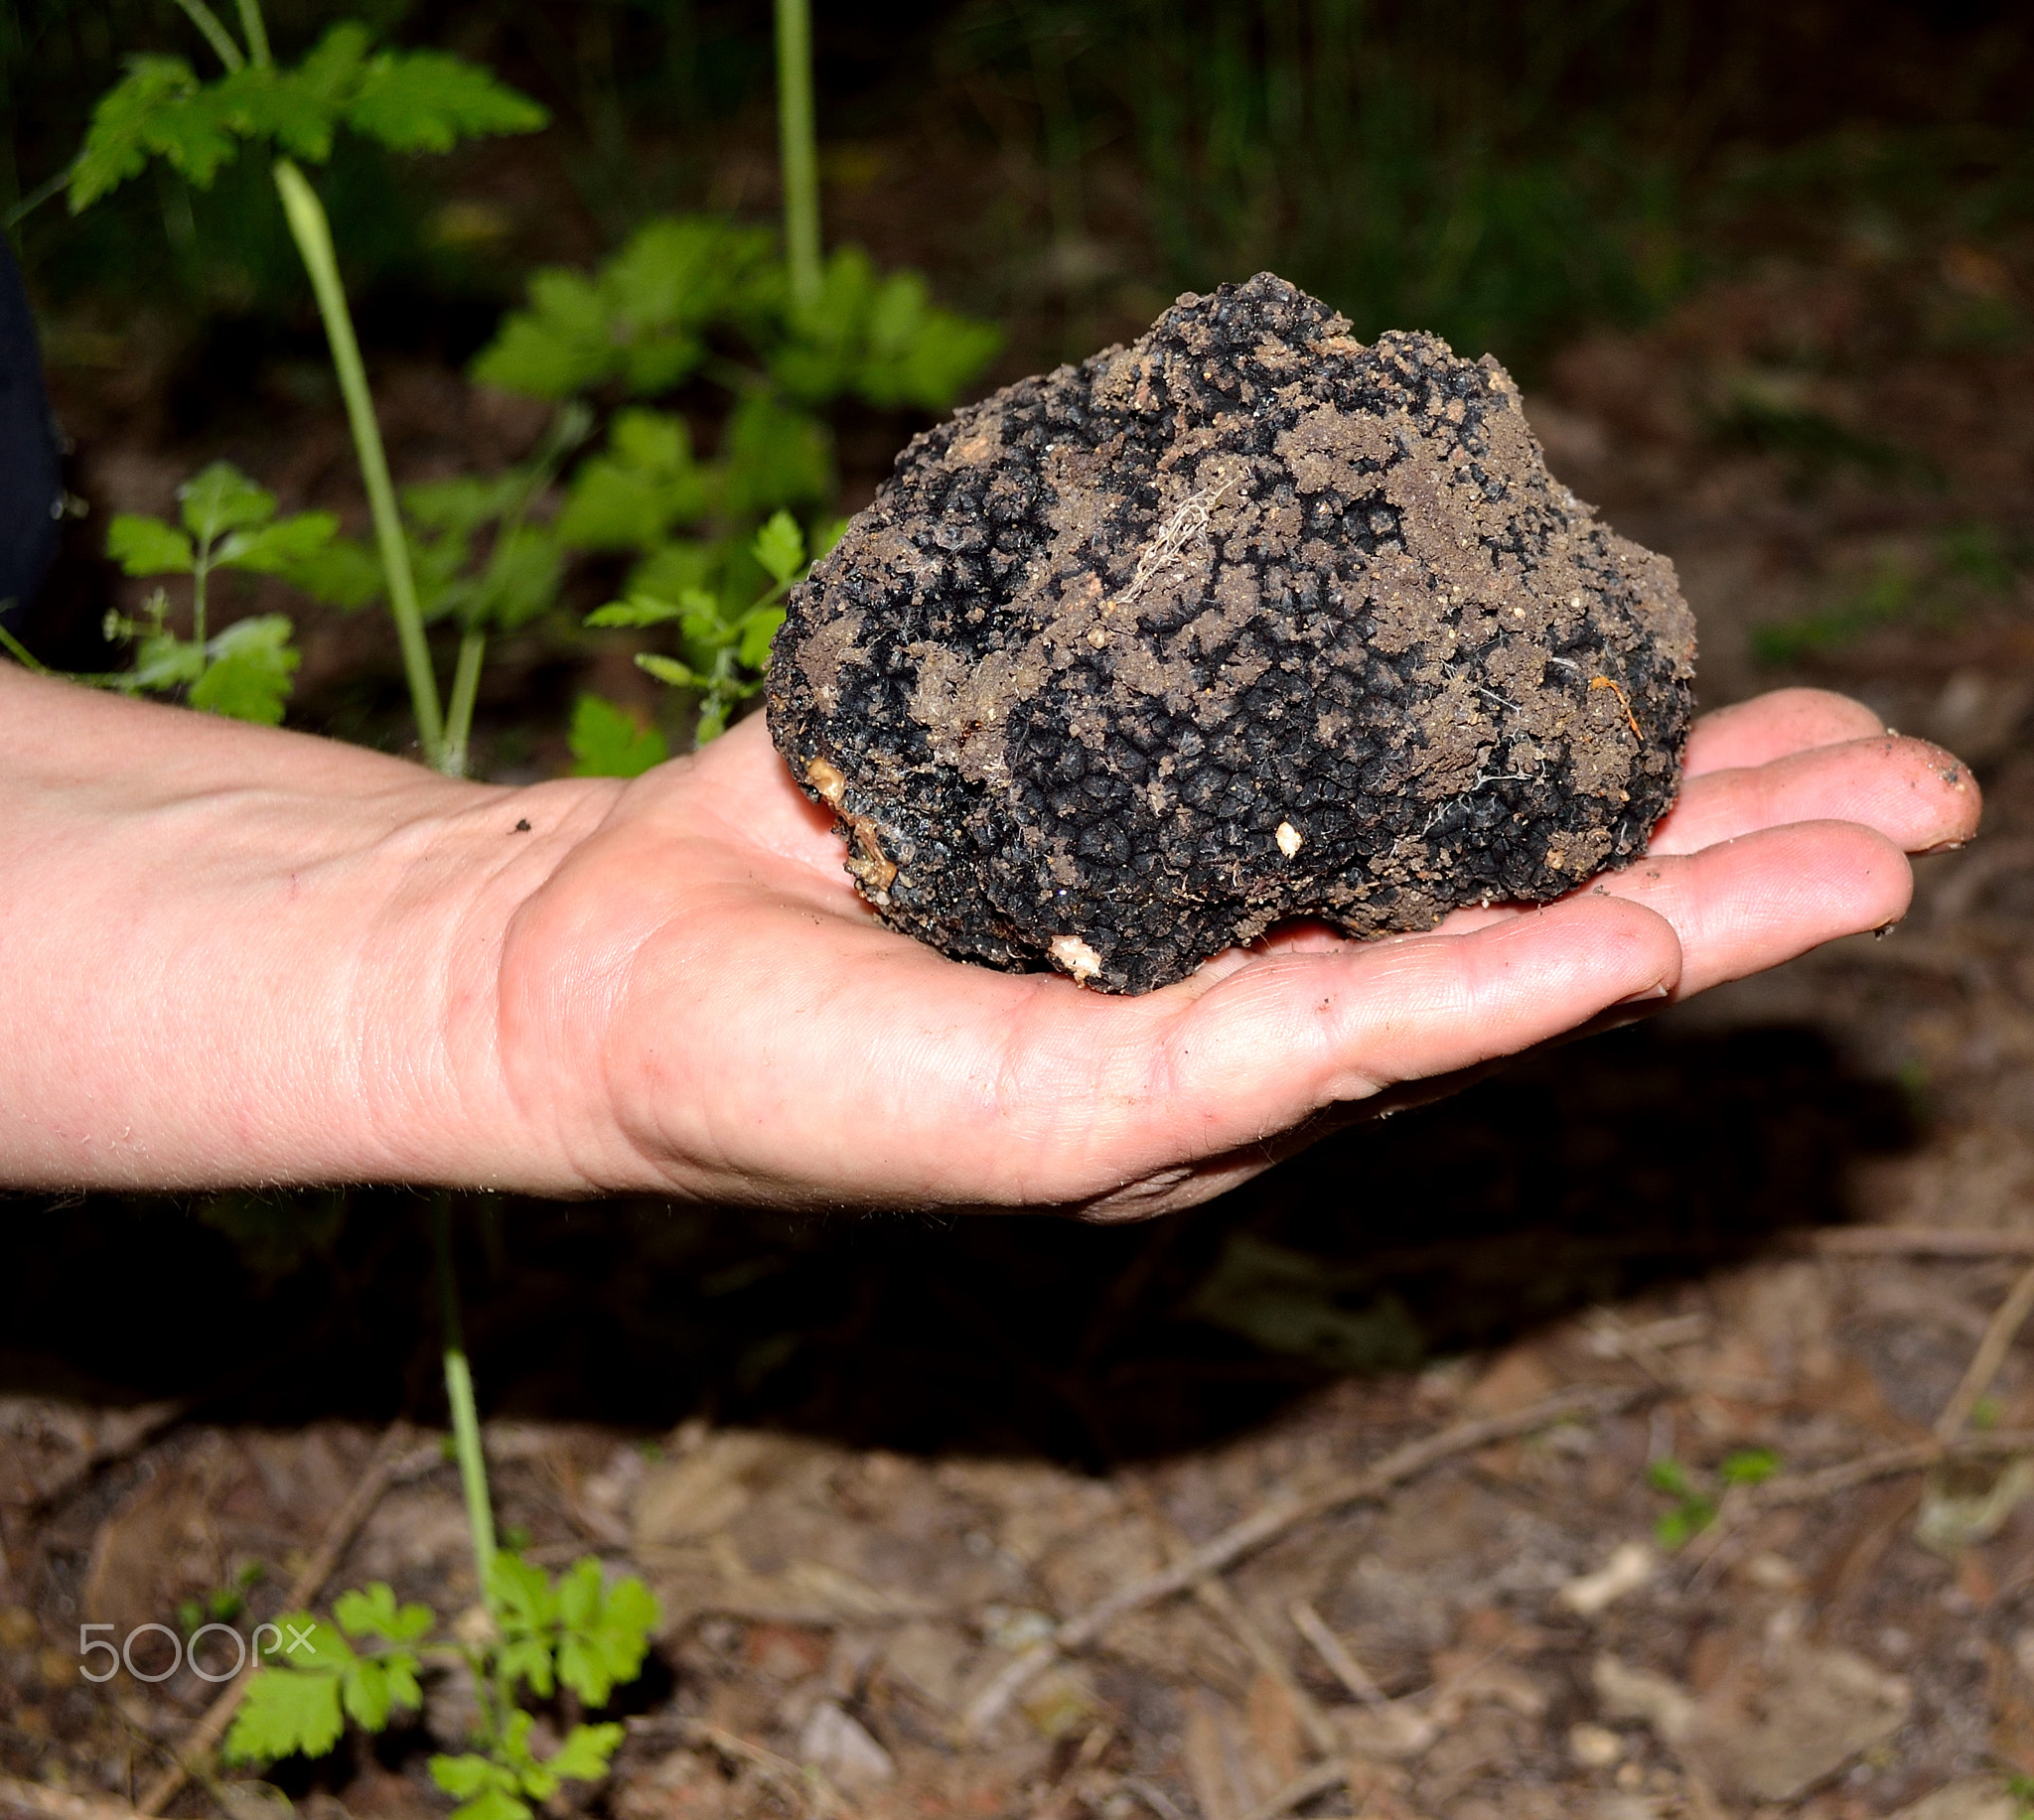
{"type": "Point", "coordinates": [630, 497]}
{"type": "Point", "coordinates": [758, 628]}
{"type": "Point", "coordinates": [248, 676]}
{"type": "Point", "coordinates": [673, 280]}
{"type": "Point", "coordinates": [132, 120]}
{"type": "Point", "coordinates": [280, 548]}
{"type": "Point", "coordinates": [463, 1778]}
{"type": "Point", "coordinates": [285, 1713]}
{"type": "Point", "coordinates": [148, 546]}
{"type": "Point", "coordinates": [293, 1706]}
{"type": "Point", "coordinates": [1671, 1476]}
{"type": "Point", "coordinates": [608, 742]}
{"type": "Point", "coordinates": [164, 661]}
{"type": "Point", "coordinates": [880, 337]}
{"type": "Point", "coordinates": [642, 318]}
{"type": "Point", "coordinates": [603, 1630]}
{"type": "Point", "coordinates": [372, 1612]}
{"type": "Point", "coordinates": [780, 546]}
{"type": "Point", "coordinates": [526, 1610]}
{"type": "Point", "coordinates": [340, 572]}
{"type": "Point", "coordinates": [427, 101]}
{"type": "Point", "coordinates": [775, 456]}
{"type": "Point", "coordinates": [558, 347]}
{"type": "Point", "coordinates": [675, 572]}
{"type": "Point", "coordinates": [519, 583]}
{"type": "Point", "coordinates": [463, 504]}
{"type": "Point", "coordinates": [636, 609]}
{"type": "Point", "coordinates": [485, 1790]}
{"type": "Point", "coordinates": [220, 498]}
{"type": "Point", "coordinates": [584, 1754]}
{"type": "Point", "coordinates": [668, 669]}
{"type": "Point", "coordinates": [1680, 1526]}
{"type": "Point", "coordinates": [319, 89]}
{"type": "Point", "coordinates": [1750, 1466]}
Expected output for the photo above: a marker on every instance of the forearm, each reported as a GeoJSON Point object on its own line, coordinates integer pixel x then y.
{"type": "Point", "coordinates": [233, 955]}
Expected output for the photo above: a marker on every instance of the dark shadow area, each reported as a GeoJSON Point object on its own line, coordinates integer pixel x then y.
{"type": "Point", "coordinates": [1583, 1175]}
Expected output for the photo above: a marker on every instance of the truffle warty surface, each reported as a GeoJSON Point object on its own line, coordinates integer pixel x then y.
{"type": "Point", "coordinates": [1244, 621]}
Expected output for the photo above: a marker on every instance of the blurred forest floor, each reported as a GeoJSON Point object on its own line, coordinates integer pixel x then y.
{"type": "Point", "coordinates": [869, 1465]}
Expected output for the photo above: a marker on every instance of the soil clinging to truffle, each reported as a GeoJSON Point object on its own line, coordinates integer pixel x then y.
{"type": "Point", "coordinates": [1244, 621]}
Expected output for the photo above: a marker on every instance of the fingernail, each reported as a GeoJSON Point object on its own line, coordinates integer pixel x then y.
{"type": "Point", "coordinates": [1641, 998]}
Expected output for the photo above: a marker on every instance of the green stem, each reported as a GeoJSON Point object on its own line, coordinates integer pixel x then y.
{"type": "Point", "coordinates": [255, 32]}
{"type": "Point", "coordinates": [216, 35]}
{"type": "Point", "coordinates": [466, 1421]}
{"type": "Point", "coordinates": [22, 656]}
{"type": "Point", "coordinates": [201, 571]}
{"type": "Point", "coordinates": [465, 686]}
{"type": "Point", "coordinates": [313, 234]}
{"type": "Point", "coordinates": [800, 148]}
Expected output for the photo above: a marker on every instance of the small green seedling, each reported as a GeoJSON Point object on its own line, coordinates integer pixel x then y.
{"type": "Point", "coordinates": [725, 653]}
{"type": "Point", "coordinates": [1695, 1507]}
{"type": "Point", "coordinates": [576, 1633]}
{"type": "Point", "coordinates": [224, 523]}
{"type": "Point", "coordinates": [224, 1606]}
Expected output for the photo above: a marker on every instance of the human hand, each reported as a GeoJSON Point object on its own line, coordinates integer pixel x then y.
{"type": "Point", "coordinates": [696, 999]}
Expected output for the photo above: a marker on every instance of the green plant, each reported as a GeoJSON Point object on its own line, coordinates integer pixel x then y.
{"type": "Point", "coordinates": [409, 101]}
{"type": "Point", "coordinates": [1695, 1506]}
{"type": "Point", "coordinates": [222, 1605]}
{"type": "Point", "coordinates": [577, 1632]}
{"type": "Point", "coordinates": [712, 546]}
{"type": "Point", "coordinates": [714, 543]}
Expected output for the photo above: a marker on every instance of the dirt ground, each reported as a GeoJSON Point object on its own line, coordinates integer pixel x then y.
{"type": "Point", "coordinates": [1398, 1550]}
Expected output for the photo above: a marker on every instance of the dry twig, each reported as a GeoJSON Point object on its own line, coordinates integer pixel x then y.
{"type": "Point", "coordinates": [796, 1779]}
{"type": "Point", "coordinates": [1227, 1608]}
{"type": "Point", "coordinates": [1274, 1519]}
{"type": "Point", "coordinates": [1335, 1652]}
{"type": "Point", "coordinates": [1990, 1356]}
{"type": "Point", "coordinates": [1300, 1790]}
{"type": "Point", "coordinates": [202, 1739]}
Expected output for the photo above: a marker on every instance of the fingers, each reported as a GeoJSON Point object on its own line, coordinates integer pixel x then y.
{"type": "Point", "coordinates": [1288, 1033]}
{"type": "Point", "coordinates": [1743, 905]}
{"type": "Point", "coordinates": [1916, 795]}
{"type": "Point", "coordinates": [1773, 727]}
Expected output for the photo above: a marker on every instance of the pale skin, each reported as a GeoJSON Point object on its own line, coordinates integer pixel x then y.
{"type": "Point", "coordinates": [234, 955]}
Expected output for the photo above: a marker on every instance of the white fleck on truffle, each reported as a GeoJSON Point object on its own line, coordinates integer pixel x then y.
{"type": "Point", "coordinates": [1077, 957]}
{"type": "Point", "coordinates": [1290, 839]}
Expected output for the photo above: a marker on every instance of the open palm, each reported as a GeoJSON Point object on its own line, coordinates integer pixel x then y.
{"type": "Point", "coordinates": [697, 998]}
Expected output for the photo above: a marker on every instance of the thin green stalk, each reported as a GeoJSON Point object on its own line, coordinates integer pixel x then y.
{"type": "Point", "coordinates": [22, 655]}
{"type": "Point", "coordinates": [313, 234]}
{"type": "Point", "coordinates": [798, 138]}
{"type": "Point", "coordinates": [216, 35]}
{"type": "Point", "coordinates": [465, 686]}
{"type": "Point", "coordinates": [255, 31]}
{"type": "Point", "coordinates": [201, 572]}
{"type": "Point", "coordinates": [466, 1421]}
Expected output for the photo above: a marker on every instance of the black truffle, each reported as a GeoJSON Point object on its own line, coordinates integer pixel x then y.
{"type": "Point", "coordinates": [1244, 621]}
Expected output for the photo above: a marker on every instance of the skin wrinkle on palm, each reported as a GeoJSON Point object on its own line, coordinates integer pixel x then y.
{"type": "Point", "coordinates": [669, 984]}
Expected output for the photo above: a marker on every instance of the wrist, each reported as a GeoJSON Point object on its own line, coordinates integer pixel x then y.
{"type": "Point", "coordinates": [229, 954]}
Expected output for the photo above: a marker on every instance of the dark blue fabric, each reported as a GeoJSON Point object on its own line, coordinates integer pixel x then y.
{"type": "Point", "coordinates": [30, 485]}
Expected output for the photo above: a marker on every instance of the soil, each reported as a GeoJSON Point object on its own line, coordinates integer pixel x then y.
{"type": "Point", "coordinates": [1244, 621]}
